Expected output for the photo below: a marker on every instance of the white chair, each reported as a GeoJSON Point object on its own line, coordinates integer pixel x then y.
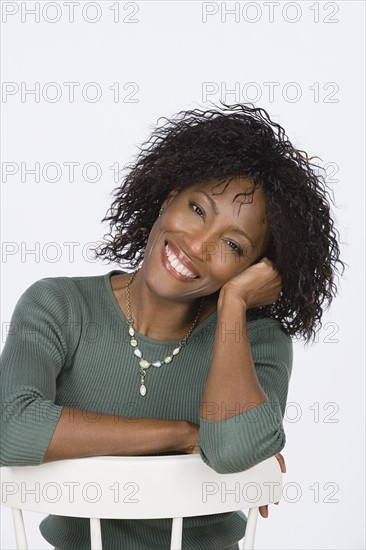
{"type": "Point", "coordinates": [139, 487]}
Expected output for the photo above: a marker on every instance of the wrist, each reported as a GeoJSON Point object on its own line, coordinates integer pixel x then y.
{"type": "Point", "coordinates": [187, 436]}
{"type": "Point", "coordinates": [228, 297]}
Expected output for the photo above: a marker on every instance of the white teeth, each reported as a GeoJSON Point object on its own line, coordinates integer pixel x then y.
{"type": "Point", "coordinates": [176, 265]}
{"type": "Point", "coordinates": [184, 271]}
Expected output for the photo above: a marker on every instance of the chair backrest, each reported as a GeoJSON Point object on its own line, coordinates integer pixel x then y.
{"type": "Point", "coordinates": [137, 487]}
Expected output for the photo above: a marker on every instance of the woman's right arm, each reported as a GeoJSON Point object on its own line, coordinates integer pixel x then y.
{"type": "Point", "coordinates": [34, 428]}
{"type": "Point", "coordinates": [75, 436]}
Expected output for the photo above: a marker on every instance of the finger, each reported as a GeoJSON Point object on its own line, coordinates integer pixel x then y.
{"type": "Point", "coordinates": [269, 262]}
{"type": "Point", "coordinates": [263, 510]}
{"type": "Point", "coordinates": [281, 461]}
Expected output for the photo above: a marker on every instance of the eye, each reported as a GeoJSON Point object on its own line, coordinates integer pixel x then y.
{"type": "Point", "coordinates": [197, 209]}
{"type": "Point", "coordinates": [235, 247]}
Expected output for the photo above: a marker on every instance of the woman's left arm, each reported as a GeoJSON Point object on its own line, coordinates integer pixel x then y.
{"type": "Point", "coordinates": [243, 403]}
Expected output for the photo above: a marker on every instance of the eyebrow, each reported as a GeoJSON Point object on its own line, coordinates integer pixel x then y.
{"type": "Point", "coordinates": [217, 211]}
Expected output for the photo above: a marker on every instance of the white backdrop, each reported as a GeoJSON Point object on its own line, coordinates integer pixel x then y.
{"type": "Point", "coordinates": [101, 74]}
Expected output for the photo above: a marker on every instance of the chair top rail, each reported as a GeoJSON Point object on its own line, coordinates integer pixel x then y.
{"type": "Point", "coordinates": [138, 487]}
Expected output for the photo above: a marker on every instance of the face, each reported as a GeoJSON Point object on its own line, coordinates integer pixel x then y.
{"type": "Point", "coordinates": [203, 239]}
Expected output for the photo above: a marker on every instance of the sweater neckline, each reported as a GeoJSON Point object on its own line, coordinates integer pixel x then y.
{"type": "Point", "coordinates": [142, 337]}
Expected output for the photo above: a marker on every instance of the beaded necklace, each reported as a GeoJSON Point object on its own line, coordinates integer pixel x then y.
{"type": "Point", "coordinates": [144, 364]}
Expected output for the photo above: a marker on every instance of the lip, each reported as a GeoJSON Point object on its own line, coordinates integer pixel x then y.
{"type": "Point", "coordinates": [183, 260]}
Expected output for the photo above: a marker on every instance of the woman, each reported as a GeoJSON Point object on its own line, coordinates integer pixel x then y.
{"type": "Point", "coordinates": [229, 228]}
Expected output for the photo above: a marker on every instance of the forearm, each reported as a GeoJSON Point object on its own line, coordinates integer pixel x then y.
{"type": "Point", "coordinates": [232, 386]}
{"type": "Point", "coordinates": [80, 433]}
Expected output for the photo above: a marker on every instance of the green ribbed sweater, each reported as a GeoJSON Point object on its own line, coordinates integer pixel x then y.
{"type": "Point", "coordinates": [68, 345]}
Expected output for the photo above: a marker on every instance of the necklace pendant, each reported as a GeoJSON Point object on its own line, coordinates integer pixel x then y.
{"type": "Point", "coordinates": [144, 363]}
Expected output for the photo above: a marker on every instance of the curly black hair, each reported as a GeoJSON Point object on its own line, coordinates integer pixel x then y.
{"type": "Point", "coordinates": [230, 141]}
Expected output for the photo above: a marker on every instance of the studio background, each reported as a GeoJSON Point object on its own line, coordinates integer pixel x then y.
{"type": "Point", "coordinates": [102, 73]}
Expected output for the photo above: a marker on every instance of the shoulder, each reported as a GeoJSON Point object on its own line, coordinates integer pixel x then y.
{"type": "Point", "coordinates": [45, 293]}
{"type": "Point", "coordinates": [54, 309]}
{"type": "Point", "coordinates": [62, 288]}
{"type": "Point", "coordinates": [270, 342]}
{"type": "Point", "coordinates": [56, 299]}
{"type": "Point", "coordinates": [267, 328]}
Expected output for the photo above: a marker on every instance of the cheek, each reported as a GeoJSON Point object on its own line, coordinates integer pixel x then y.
{"type": "Point", "coordinates": [153, 233]}
{"type": "Point", "coordinates": [177, 218]}
{"type": "Point", "coordinates": [171, 221]}
{"type": "Point", "coordinates": [226, 266]}
{"type": "Point", "coordinates": [153, 237]}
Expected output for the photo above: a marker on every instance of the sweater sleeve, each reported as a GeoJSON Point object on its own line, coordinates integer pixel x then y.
{"type": "Point", "coordinates": [242, 441]}
{"type": "Point", "coordinates": [34, 353]}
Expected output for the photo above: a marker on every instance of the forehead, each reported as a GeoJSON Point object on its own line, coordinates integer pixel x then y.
{"type": "Point", "coordinates": [233, 190]}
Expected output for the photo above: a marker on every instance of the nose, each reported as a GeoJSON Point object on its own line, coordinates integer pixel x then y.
{"type": "Point", "coordinates": [200, 244]}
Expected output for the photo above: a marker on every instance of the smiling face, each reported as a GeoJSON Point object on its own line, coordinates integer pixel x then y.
{"type": "Point", "coordinates": [203, 239]}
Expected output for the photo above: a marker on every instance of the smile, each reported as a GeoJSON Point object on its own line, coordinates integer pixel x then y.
{"type": "Point", "coordinates": [177, 265]}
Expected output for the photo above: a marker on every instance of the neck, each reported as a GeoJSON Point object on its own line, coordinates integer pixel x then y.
{"type": "Point", "coordinates": [163, 319]}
